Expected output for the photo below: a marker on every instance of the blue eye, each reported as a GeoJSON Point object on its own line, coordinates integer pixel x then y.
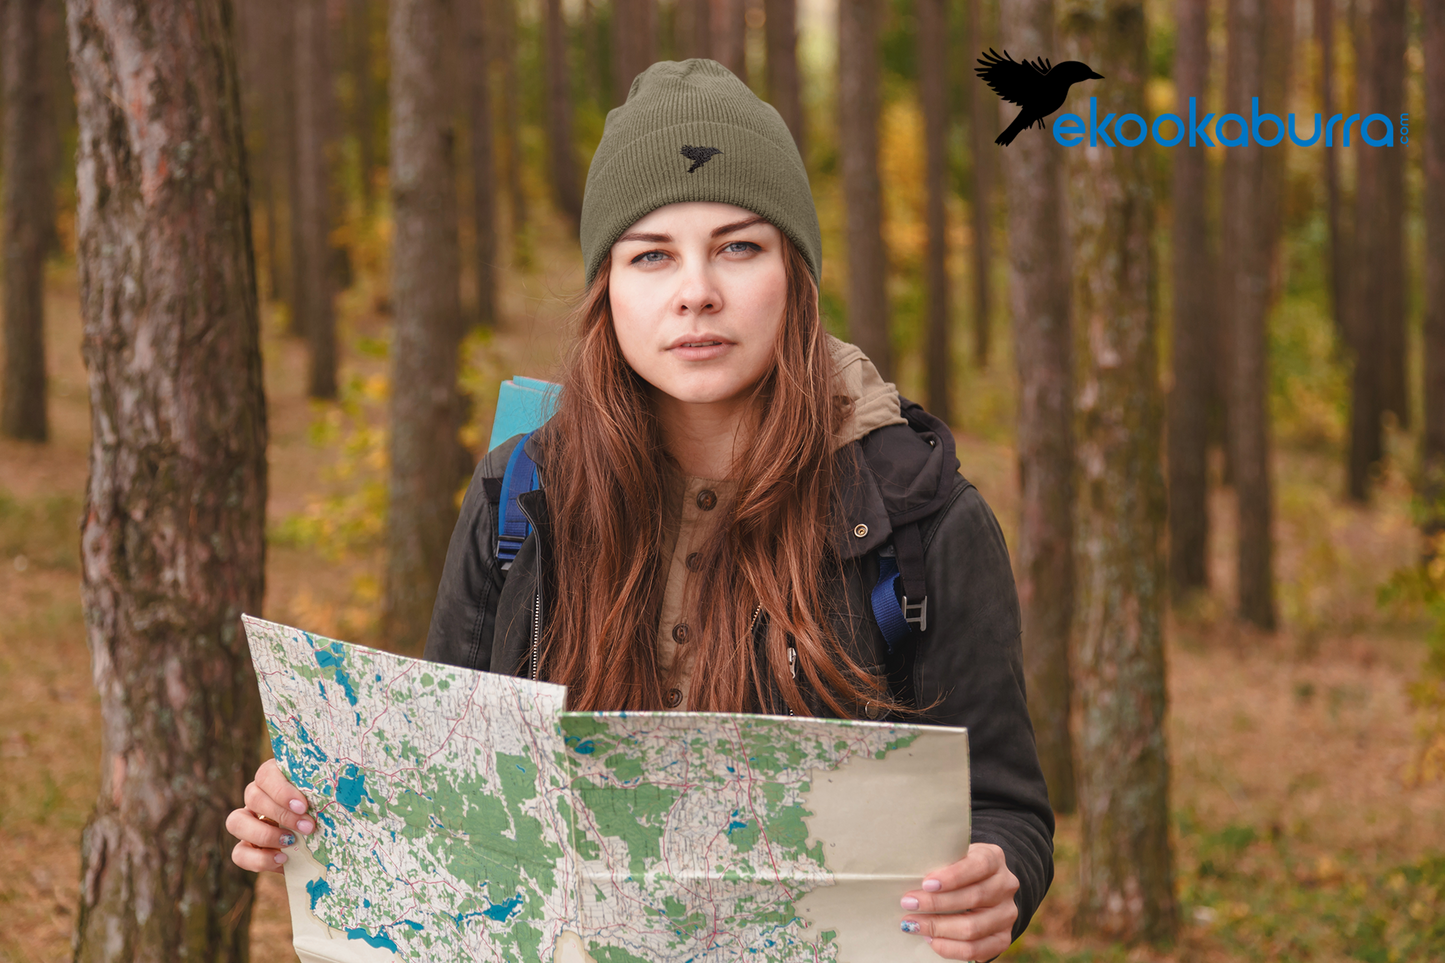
{"type": "Point", "coordinates": [742, 247]}
{"type": "Point", "coordinates": [647, 257]}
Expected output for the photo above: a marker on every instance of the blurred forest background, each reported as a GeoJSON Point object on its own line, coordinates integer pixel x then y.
{"type": "Point", "coordinates": [376, 206]}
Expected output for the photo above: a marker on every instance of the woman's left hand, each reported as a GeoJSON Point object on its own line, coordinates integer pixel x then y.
{"type": "Point", "coordinates": [969, 905]}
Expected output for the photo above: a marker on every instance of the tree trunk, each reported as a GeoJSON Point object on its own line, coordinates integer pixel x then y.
{"type": "Point", "coordinates": [1432, 438]}
{"type": "Point", "coordinates": [933, 91]}
{"type": "Point", "coordinates": [785, 90]}
{"type": "Point", "coordinates": [363, 98]}
{"type": "Point", "coordinates": [690, 29]}
{"type": "Point", "coordinates": [1387, 40]}
{"type": "Point", "coordinates": [1195, 320]}
{"type": "Point", "coordinates": [506, 12]}
{"type": "Point", "coordinates": [314, 105]}
{"type": "Point", "coordinates": [1324, 14]}
{"type": "Point", "coordinates": [559, 116]}
{"type": "Point", "coordinates": [1248, 256]}
{"type": "Point", "coordinates": [482, 155]}
{"type": "Point", "coordinates": [858, 84]}
{"type": "Point", "coordinates": [634, 42]}
{"type": "Point", "coordinates": [983, 112]}
{"type": "Point", "coordinates": [727, 29]}
{"type": "Point", "coordinates": [1043, 350]}
{"type": "Point", "coordinates": [425, 279]}
{"type": "Point", "coordinates": [27, 220]}
{"type": "Point", "coordinates": [1126, 873]}
{"type": "Point", "coordinates": [172, 546]}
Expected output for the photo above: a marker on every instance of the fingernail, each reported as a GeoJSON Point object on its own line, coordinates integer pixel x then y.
{"type": "Point", "coordinates": [298, 806]}
{"type": "Point", "coordinates": [928, 939]}
{"type": "Point", "coordinates": [288, 839]}
{"type": "Point", "coordinates": [932, 886]}
{"type": "Point", "coordinates": [305, 825]}
{"type": "Point", "coordinates": [909, 902]}
{"type": "Point", "coordinates": [280, 858]}
{"type": "Point", "coordinates": [909, 926]}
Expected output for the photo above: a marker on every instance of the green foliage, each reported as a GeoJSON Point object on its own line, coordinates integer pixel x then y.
{"type": "Point", "coordinates": [1422, 587]}
{"type": "Point", "coordinates": [43, 532]}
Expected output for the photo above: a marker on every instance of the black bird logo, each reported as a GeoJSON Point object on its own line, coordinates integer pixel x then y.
{"type": "Point", "coordinates": [698, 155]}
{"type": "Point", "coordinates": [1038, 87]}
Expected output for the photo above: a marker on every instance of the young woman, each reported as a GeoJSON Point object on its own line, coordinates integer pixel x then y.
{"type": "Point", "coordinates": [720, 485]}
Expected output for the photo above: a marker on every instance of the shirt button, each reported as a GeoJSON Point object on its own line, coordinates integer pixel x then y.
{"type": "Point", "coordinates": [674, 698]}
{"type": "Point", "coordinates": [693, 560]}
{"type": "Point", "coordinates": [860, 530]}
{"type": "Point", "coordinates": [707, 499]}
{"type": "Point", "coordinates": [679, 633]}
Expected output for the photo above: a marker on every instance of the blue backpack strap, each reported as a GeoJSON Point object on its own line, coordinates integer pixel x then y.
{"type": "Point", "coordinates": [512, 524]}
{"type": "Point", "coordinates": [899, 600]}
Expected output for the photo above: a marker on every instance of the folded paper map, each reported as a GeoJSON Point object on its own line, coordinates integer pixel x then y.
{"type": "Point", "coordinates": [465, 816]}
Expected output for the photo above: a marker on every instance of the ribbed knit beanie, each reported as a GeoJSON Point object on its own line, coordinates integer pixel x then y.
{"type": "Point", "coordinates": [692, 131]}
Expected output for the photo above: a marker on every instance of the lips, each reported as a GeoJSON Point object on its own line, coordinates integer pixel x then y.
{"type": "Point", "coordinates": [705, 339]}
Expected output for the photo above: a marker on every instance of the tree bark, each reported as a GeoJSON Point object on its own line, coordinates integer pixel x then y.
{"type": "Point", "coordinates": [1387, 40]}
{"type": "Point", "coordinates": [506, 12]}
{"type": "Point", "coordinates": [727, 30]}
{"type": "Point", "coordinates": [559, 116]}
{"type": "Point", "coordinates": [172, 546]}
{"type": "Point", "coordinates": [634, 42]}
{"type": "Point", "coordinates": [785, 90]}
{"type": "Point", "coordinates": [690, 25]}
{"type": "Point", "coordinates": [933, 91]}
{"type": "Point", "coordinates": [982, 114]}
{"type": "Point", "coordinates": [315, 106]}
{"type": "Point", "coordinates": [1195, 320]}
{"type": "Point", "coordinates": [363, 102]}
{"type": "Point", "coordinates": [1039, 290]}
{"type": "Point", "coordinates": [1324, 15]}
{"type": "Point", "coordinates": [858, 84]}
{"type": "Point", "coordinates": [482, 156]}
{"type": "Point", "coordinates": [1432, 438]}
{"type": "Point", "coordinates": [425, 279]}
{"type": "Point", "coordinates": [1126, 873]}
{"type": "Point", "coordinates": [1248, 256]}
{"type": "Point", "coordinates": [27, 221]}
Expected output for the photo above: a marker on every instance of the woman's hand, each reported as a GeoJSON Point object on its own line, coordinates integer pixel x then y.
{"type": "Point", "coordinates": [972, 906]}
{"type": "Point", "coordinates": [271, 797]}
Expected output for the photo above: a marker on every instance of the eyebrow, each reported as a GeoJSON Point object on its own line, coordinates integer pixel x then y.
{"type": "Point", "coordinates": [667, 238]}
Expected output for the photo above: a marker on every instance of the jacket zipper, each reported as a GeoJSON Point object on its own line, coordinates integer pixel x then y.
{"type": "Point", "coordinates": [536, 630]}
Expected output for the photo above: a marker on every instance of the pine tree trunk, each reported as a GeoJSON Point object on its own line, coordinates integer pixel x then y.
{"type": "Point", "coordinates": [559, 116]}
{"type": "Point", "coordinates": [785, 91]}
{"type": "Point", "coordinates": [1247, 221]}
{"type": "Point", "coordinates": [477, 79]}
{"type": "Point", "coordinates": [727, 30]}
{"type": "Point", "coordinates": [981, 116]}
{"type": "Point", "coordinates": [172, 546]}
{"type": "Point", "coordinates": [425, 280]}
{"type": "Point", "coordinates": [1432, 438]}
{"type": "Point", "coordinates": [634, 42]}
{"type": "Point", "coordinates": [1324, 14]}
{"type": "Point", "coordinates": [690, 25]}
{"type": "Point", "coordinates": [27, 219]}
{"type": "Point", "coordinates": [858, 84]}
{"type": "Point", "coordinates": [506, 14]}
{"type": "Point", "coordinates": [1039, 291]}
{"type": "Point", "coordinates": [1126, 873]}
{"type": "Point", "coordinates": [1387, 40]}
{"type": "Point", "coordinates": [363, 103]}
{"type": "Point", "coordinates": [314, 105]}
{"type": "Point", "coordinates": [933, 91]}
{"type": "Point", "coordinates": [1195, 319]}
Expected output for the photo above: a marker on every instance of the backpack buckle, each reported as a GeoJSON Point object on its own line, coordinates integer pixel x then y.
{"type": "Point", "coordinates": [916, 613]}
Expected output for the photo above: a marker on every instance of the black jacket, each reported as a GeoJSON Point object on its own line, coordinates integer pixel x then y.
{"type": "Point", "coordinates": [967, 666]}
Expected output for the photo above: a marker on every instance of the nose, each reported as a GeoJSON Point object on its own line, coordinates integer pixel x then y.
{"type": "Point", "coordinates": [697, 291]}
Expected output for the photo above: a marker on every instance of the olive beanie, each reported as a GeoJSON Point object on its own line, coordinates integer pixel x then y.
{"type": "Point", "coordinates": [692, 131]}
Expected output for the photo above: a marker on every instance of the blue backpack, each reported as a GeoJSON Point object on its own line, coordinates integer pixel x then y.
{"type": "Point", "coordinates": [899, 599]}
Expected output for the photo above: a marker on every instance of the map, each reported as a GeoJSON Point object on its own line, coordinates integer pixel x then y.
{"type": "Point", "coordinates": [465, 815]}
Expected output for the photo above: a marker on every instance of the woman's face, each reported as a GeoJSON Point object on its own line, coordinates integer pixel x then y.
{"type": "Point", "coordinates": [697, 292]}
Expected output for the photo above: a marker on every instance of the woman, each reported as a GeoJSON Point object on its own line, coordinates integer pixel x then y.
{"type": "Point", "coordinates": [721, 484]}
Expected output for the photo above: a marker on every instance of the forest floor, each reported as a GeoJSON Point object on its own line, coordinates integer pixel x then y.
{"type": "Point", "coordinates": [1298, 835]}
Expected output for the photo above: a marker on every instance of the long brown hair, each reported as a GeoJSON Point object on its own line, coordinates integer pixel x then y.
{"type": "Point", "coordinates": [603, 474]}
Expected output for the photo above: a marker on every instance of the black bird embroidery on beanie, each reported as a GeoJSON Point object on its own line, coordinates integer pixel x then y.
{"type": "Point", "coordinates": [1038, 87]}
{"type": "Point", "coordinates": [698, 155]}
